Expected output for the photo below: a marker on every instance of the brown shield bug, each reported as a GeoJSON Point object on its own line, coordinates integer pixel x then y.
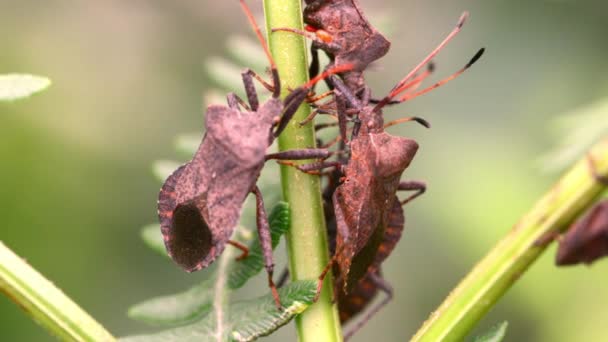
{"type": "Point", "coordinates": [199, 205]}
{"type": "Point", "coordinates": [365, 290]}
{"type": "Point", "coordinates": [340, 28]}
{"type": "Point", "coordinates": [587, 238]}
{"type": "Point", "coordinates": [363, 201]}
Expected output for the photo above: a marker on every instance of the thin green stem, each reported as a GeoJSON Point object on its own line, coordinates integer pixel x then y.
{"type": "Point", "coordinates": [46, 303]}
{"type": "Point", "coordinates": [306, 241]}
{"type": "Point", "coordinates": [506, 263]}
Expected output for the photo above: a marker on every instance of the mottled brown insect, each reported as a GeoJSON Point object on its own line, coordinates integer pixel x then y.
{"type": "Point", "coordinates": [200, 203]}
{"type": "Point", "coordinates": [363, 201]}
{"type": "Point", "coordinates": [346, 36]}
{"type": "Point", "coordinates": [340, 29]}
{"type": "Point", "coordinates": [587, 239]}
{"type": "Point", "coordinates": [360, 297]}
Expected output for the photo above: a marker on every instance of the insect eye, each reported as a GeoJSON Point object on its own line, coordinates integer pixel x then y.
{"type": "Point", "coordinates": [310, 28]}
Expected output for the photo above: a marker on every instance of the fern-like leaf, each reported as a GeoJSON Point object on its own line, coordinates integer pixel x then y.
{"type": "Point", "coordinates": [18, 86]}
{"type": "Point", "coordinates": [495, 334]}
{"type": "Point", "coordinates": [196, 302]}
{"type": "Point", "coordinates": [246, 320]}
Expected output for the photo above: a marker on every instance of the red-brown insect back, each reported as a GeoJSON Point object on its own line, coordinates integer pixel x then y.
{"type": "Point", "coordinates": [339, 28]}
{"type": "Point", "coordinates": [362, 295]}
{"type": "Point", "coordinates": [587, 239]}
{"type": "Point", "coordinates": [200, 204]}
{"type": "Point", "coordinates": [364, 199]}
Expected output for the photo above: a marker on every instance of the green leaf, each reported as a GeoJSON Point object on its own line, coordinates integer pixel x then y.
{"type": "Point", "coordinates": [495, 334]}
{"type": "Point", "coordinates": [260, 317]}
{"type": "Point", "coordinates": [195, 302]}
{"type": "Point", "coordinates": [225, 74]}
{"type": "Point", "coordinates": [576, 131]}
{"type": "Point", "coordinates": [183, 307]}
{"type": "Point", "coordinates": [162, 169]}
{"type": "Point", "coordinates": [249, 319]}
{"type": "Point", "coordinates": [17, 86]}
{"type": "Point", "coordinates": [154, 239]}
{"type": "Point", "coordinates": [214, 96]}
{"type": "Point", "coordinates": [187, 144]}
{"type": "Point", "coordinates": [253, 264]}
{"type": "Point", "coordinates": [247, 52]}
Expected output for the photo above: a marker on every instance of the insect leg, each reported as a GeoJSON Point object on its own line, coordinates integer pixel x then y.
{"type": "Point", "coordinates": [291, 104]}
{"type": "Point", "coordinates": [283, 277]}
{"type": "Point", "coordinates": [265, 242]}
{"type": "Point", "coordinates": [313, 70]}
{"type": "Point", "coordinates": [545, 239]}
{"type": "Point", "coordinates": [276, 87]}
{"type": "Point", "coordinates": [240, 246]}
{"type": "Point", "coordinates": [341, 109]}
{"type": "Point", "coordinates": [383, 285]}
{"type": "Point", "coordinates": [315, 98]}
{"type": "Point", "coordinates": [319, 127]}
{"type": "Point", "coordinates": [418, 186]}
{"type": "Point", "coordinates": [298, 95]}
{"type": "Point", "coordinates": [314, 168]}
{"type": "Point", "coordinates": [351, 99]}
{"type": "Point", "coordinates": [331, 142]}
{"type": "Point", "coordinates": [307, 153]}
{"type": "Point", "coordinates": [322, 276]}
{"type": "Point", "coordinates": [234, 101]}
{"type": "Point", "coordinates": [252, 95]}
{"type": "Point", "coordinates": [309, 118]}
{"type": "Point", "coordinates": [600, 178]}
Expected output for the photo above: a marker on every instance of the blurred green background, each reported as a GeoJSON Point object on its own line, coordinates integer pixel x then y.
{"type": "Point", "coordinates": [128, 77]}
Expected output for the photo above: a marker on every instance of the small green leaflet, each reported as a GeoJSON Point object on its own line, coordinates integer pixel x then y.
{"type": "Point", "coordinates": [495, 334]}
{"type": "Point", "coordinates": [188, 305]}
{"type": "Point", "coordinates": [17, 86]}
{"type": "Point", "coordinates": [153, 238]}
{"type": "Point", "coordinates": [247, 51]}
{"type": "Point", "coordinates": [574, 133]}
{"type": "Point", "coordinates": [250, 319]}
{"type": "Point", "coordinates": [260, 317]}
{"type": "Point", "coordinates": [187, 144]}
{"type": "Point", "coordinates": [162, 169]}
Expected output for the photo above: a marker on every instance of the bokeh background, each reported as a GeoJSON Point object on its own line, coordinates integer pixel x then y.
{"type": "Point", "coordinates": [129, 76]}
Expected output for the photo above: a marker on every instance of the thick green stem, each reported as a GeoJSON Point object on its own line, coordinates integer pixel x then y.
{"type": "Point", "coordinates": [46, 303]}
{"type": "Point", "coordinates": [306, 241]}
{"type": "Point", "coordinates": [510, 258]}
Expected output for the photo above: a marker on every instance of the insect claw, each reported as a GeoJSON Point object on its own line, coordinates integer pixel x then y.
{"type": "Point", "coordinates": [596, 175]}
{"type": "Point", "coordinates": [240, 246]}
{"type": "Point", "coordinates": [275, 293]}
{"type": "Point", "coordinates": [319, 289]}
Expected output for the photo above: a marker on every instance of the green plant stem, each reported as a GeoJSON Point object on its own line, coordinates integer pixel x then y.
{"type": "Point", "coordinates": [306, 240]}
{"type": "Point", "coordinates": [46, 303]}
{"type": "Point", "coordinates": [510, 258]}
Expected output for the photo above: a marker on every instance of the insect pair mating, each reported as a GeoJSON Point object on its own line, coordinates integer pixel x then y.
{"type": "Point", "coordinates": [200, 203]}
{"type": "Point", "coordinates": [365, 217]}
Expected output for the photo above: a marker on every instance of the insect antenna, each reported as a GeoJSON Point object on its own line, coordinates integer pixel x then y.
{"type": "Point", "coordinates": [410, 118]}
{"type": "Point", "coordinates": [331, 71]}
{"type": "Point", "coordinates": [417, 81]}
{"type": "Point", "coordinates": [463, 18]}
{"type": "Point", "coordinates": [410, 96]}
{"type": "Point", "coordinates": [414, 84]}
{"type": "Point", "coordinates": [298, 95]}
{"type": "Point", "coordinates": [276, 92]}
